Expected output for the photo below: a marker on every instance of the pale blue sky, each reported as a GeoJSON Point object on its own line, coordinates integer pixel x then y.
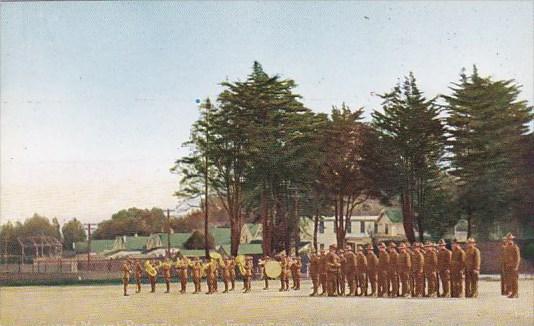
{"type": "Point", "coordinates": [96, 98]}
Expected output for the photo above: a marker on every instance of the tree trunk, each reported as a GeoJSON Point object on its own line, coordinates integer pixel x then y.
{"type": "Point", "coordinates": [408, 217]}
{"type": "Point", "coordinates": [266, 224]}
{"type": "Point", "coordinates": [315, 229]}
{"type": "Point", "coordinates": [469, 225]}
{"type": "Point", "coordinates": [235, 236]}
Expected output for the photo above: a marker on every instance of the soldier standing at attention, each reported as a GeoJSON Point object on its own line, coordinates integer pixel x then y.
{"type": "Point", "coordinates": [393, 275]}
{"type": "Point", "coordinates": [150, 269]}
{"type": "Point", "coordinates": [361, 273]}
{"type": "Point", "coordinates": [332, 269]}
{"type": "Point", "coordinates": [457, 270]}
{"type": "Point", "coordinates": [504, 290]}
{"type": "Point", "coordinates": [411, 251]}
{"type": "Point", "coordinates": [211, 276]}
{"type": "Point", "coordinates": [314, 272]}
{"type": "Point", "coordinates": [247, 277]}
{"type": "Point", "coordinates": [349, 271]}
{"type": "Point", "coordinates": [284, 275]}
{"type": "Point", "coordinates": [138, 275]}
{"type": "Point", "coordinates": [372, 272]}
{"type": "Point", "coordinates": [512, 259]}
{"type": "Point", "coordinates": [232, 272]}
{"type": "Point", "coordinates": [166, 273]}
{"type": "Point", "coordinates": [322, 272]}
{"type": "Point", "coordinates": [444, 266]}
{"type": "Point", "coordinates": [382, 269]}
{"type": "Point", "coordinates": [126, 270]}
{"type": "Point", "coordinates": [404, 265]}
{"type": "Point", "coordinates": [430, 269]}
{"type": "Point", "coordinates": [182, 266]}
{"type": "Point", "coordinates": [295, 271]}
{"type": "Point", "coordinates": [341, 272]}
{"type": "Point", "coordinates": [472, 269]}
{"type": "Point", "coordinates": [226, 265]}
{"type": "Point", "coordinates": [197, 274]}
{"type": "Point", "coordinates": [418, 261]}
{"type": "Point", "coordinates": [264, 276]}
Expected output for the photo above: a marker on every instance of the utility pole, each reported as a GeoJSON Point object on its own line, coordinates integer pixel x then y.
{"type": "Point", "coordinates": [206, 242]}
{"type": "Point", "coordinates": [169, 232]}
{"type": "Point", "coordinates": [89, 225]}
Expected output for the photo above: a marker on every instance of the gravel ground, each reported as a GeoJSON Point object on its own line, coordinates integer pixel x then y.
{"type": "Point", "coordinates": [105, 305]}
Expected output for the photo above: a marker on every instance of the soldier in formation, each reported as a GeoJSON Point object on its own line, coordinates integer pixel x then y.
{"type": "Point", "coordinates": [360, 287]}
{"type": "Point", "coordinates": [511, 259]}
{"type": "Point", "coordinates": [314, 272]}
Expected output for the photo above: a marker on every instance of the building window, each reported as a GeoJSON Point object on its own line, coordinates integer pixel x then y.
{"type": "Point", "coordinates": [349, 227]}
{"type": "Point", "coordinates": [321, 246]}
{"type": "Point", "coordinates": [387, 229]}
{"type": "Point", "coordinates": [376, 228]}
{"type": "Point", "coordinates": [321, 227]}
{"type": "Point", "coordinates": [362, 227]}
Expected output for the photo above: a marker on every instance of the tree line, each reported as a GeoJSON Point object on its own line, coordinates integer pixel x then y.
{"type": "Point", "coordinates": [466, 154]}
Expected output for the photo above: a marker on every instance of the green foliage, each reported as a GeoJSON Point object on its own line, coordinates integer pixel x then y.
{"type": "Point", "coordinates": [196, 241]}
{"type": "Point", "coordinates": [72, 231]}
{"type": "Point", "coordinates": [528, 252]}
{"type": "Point", "coordinates": [130, 222]}
{"type": "Point", "coordinates": [487, 124]}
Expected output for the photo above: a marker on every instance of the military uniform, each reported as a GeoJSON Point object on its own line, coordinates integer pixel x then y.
{"type": "Point", "coordinates": [182, 265]}
{"type": "Point", "coordinates": [404, 265]}
{"type": "Point", "coordinates": [332, 270]}
{"type": "Point", "coordinates": [166, 273]}
{"type": "Point", "coordinates": [472, 269]}
{"type": "Point", "coordinates": [349, 270]}
{"type": "Point", "coordinates": [504, 289]}
{"type": "Point", "coordinates": [226, 267]}
{"type": "Point", "coordinates": [430, 269]}
{"type": "Point", "coordinates": [295, 272]}
{"type": "Point", "coordinates": [264, 276]}
{"type": "Point", "coordinates": [323, 272]}
{"type": "Point", "coordinates": [232, 272]}
{"type": "Point", "coordinates": [197, 269]}
{"type": "Point", "coordinates": [314, 272]}
{"type": "Point", "coordinates": [211, 276]}
{"type": "Point", "coordinates": [125, 276]}
{"type": "Point", "coordinates": [361, 273]}
{"type": "Point", "coordinates": [138, 275]}
{"type": "Point", "coordinates": [512, 259]}
{"type": "Point", "coordinates": [341, 273]}
{"type": "Point", "coordinates": [418, 261]}
{"type": "Point", "coordinates": [444, 265]}
{"type": "Point", "coordinates": [149, 267]}
{"type": "Point", "coordinates": [372, 272]}
{"type": "Point", "coordinates": [284, 274]}
{"type": "Point", "coordinates": [457, 270]}
{"type": "Point", "coordinates": [247, 276]}
{"type": "Point", "coordinates": [393, 276]}
{"type": "Point", "coordinates": [382, 269]}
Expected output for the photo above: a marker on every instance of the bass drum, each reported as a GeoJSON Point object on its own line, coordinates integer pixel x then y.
{"type": "Point", "coordinates": [273, 269]}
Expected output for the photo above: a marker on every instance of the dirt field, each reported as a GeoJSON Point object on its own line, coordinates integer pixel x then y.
{"type": "Point", "coordinates": [105, 305]}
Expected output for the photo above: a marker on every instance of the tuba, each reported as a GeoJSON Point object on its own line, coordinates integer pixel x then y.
{"type": "Point", "coordinates": [240, 262]}
{"type": "Point", "coordinates": [150, 270]}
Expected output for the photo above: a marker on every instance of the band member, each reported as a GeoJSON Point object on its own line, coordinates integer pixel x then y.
{"type": "Point", "coordinates": [430, 269]}
{"type": "Point", "coordinates": [444, 266]}
{"type": "Point", "coordinates": [411, 251]}
{"type": "Point", "coordinates": [264, 276]}
{"type": "Point", "coordinates": [247, 276]}
{"type": "Point", "coordinates": [393, 276]}
{"type": "Point", "coordinates": [138, 275]}
{"type": "Point", "coordinates": [226, 266]}
{"type": "Point", "coordinates": [404, 266]}
{"type": "Point", "coordinates": [232, 272]}
{"type": "Point", "coordinates": [126, 270]}
{"type": "Point", "coordinates": [332, 270]}
{"type": "Point", "coordinates": [295, 273]}
{"type": "Point", "coordinates": [284, 275]}
{"type": "Point", "coordinates": [361, 273]}
{"type": "Point", "coordinates": [418, 261]}
{"type": "Point", "coordinates": [166, 273]}
{"type": "Point", "coordinates": [349, 269]}
{"type": "Point", "coordinates": [504, 290]}
{"type": "Point", "coordinates": [512, 259]}
{"type": "Point", "coordinates": [382, 268]}
{"type": "Point", "coordinates": [197, 269]}
{"type": "Point", "coordinates": [315, 261]}
{"type": "Point", "coordinates": [211, 275]}
{"type": "Point", "coordinates": [181, 266]}
{"type": "Point", "coordinates": [152, 272]}
{"type": "Point", "coordinates": [472, 269]}
{"type": "Point", "coordinates": [323, 272]}
{"type": "Point", "coordinates": [372, 272]}
{"type": "Point", "coordinates": [457, 270]}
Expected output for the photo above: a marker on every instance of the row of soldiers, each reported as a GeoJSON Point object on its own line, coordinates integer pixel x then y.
{"type": "Point", "coordinates": [415, 270]}
{"type": "Point", "coordinates": [210, 269]}
{"type": "Point", "coordinates": [290, 266]}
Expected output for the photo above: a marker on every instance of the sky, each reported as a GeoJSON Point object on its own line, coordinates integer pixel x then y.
{"type": "Point", "coordinates": [97, 98]}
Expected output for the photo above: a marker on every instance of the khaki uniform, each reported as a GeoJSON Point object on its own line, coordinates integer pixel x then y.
{"type": "Point", "coordinates": [232, 273]}
{"type": "Point", "coordinates": [361, 274]}
{"type": "Point", "coordinates": [138, 276]}
{"type": "Point", "coordinates": [512, 259]}
{"type": "Point", "coordinates": [264, 276]}
{"type": "Point", "coordinates": [418, 261]}
{"type": "Point", "coordinates": [182, 265]}
{"type": "Point", "coordinates": [332, 270]}
{"type": "Point", "coordinates": [166, 273]}
{"type": "Point", "coordinates": [247, 276]}
{"type": "Point", "coordinates": [472, 270]}
{"type": "Point", "coordinates": [197, 275]}
{"type": "Point", "coordinates": [430, 269]}
{"type": "Point", "coordinates": [349, 270]}
{"type": "Point", "coordinates": [504, 290]}
{"type": "Point", "coordinates": [404, 266]}
{"type": "Point", "coordinates": [211, 277]}
{"type": "Point", "coordinates": [372, 272]}
{"type": "Point", "coordinates": [295, 273]}
{"type": "Point", "coordinates": [323, 273]}
{"type": "Point", "coordinates": [314, 273]}
{"type": "Point", "coordinates": [457, 272]}
{"type": "Point", "coordinates": [226, 274]}
{"type": "Point", "coordinates": [393, 276]}
{"type": "Point", "coordinates": [341, 274]}
{"type": "Point", "coordinates": [125, 276]}
{"type": "Point", "coordinates": [382, 268]}
{"type": "Point", "coordinates": [444, 270]}
{"type": "Point", "coordinates": [284, 275]}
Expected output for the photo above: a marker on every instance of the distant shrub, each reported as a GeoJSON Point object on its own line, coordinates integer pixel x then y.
{"type": "Point", "coordinates": [528, 252]}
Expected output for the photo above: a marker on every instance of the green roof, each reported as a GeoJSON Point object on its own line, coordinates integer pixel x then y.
{"type": "Point", "coordinates": [193, 252]}
{"type": "Point", "coordinates": [221, 236]}
{"type": "Point", "coordinates": [246, 249]}
{"type": "Point", "coordinates": [135, 243]}
{"type": "Point", "coordinates": [252, 227]}
{"type": "Point", "coordinates": [177, 239]}
{"type": "Point", "coordinates": [96, 246]}
{"type": "Point", "coordinates": [394, 214]}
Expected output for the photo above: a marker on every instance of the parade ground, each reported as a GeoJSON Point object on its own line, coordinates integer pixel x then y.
{"type": "Point", "coordinates": [105, 305]}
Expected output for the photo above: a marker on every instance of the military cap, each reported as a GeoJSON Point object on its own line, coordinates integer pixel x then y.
{"type": "Point", "coordinates": [333, 246]}
{"type": "Point", "coordinates": [442, 242]}
{"type": "Point", "coordinates": [381, 245]}
{"type": "Point", "coordinates": [510, 236]}
{"type": "Point", "coordinates": [348, 248]}
{"type": "Point", "coordinates": [471, 240]}
{"type": "Point", "coordinates": [402, 245]}
{"type": "Point", "coordinates": [392, 245]}
{"type": "Point", "coordinates": [428, 244]}
{"type": "Point", "coordinates": [370, 246]}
